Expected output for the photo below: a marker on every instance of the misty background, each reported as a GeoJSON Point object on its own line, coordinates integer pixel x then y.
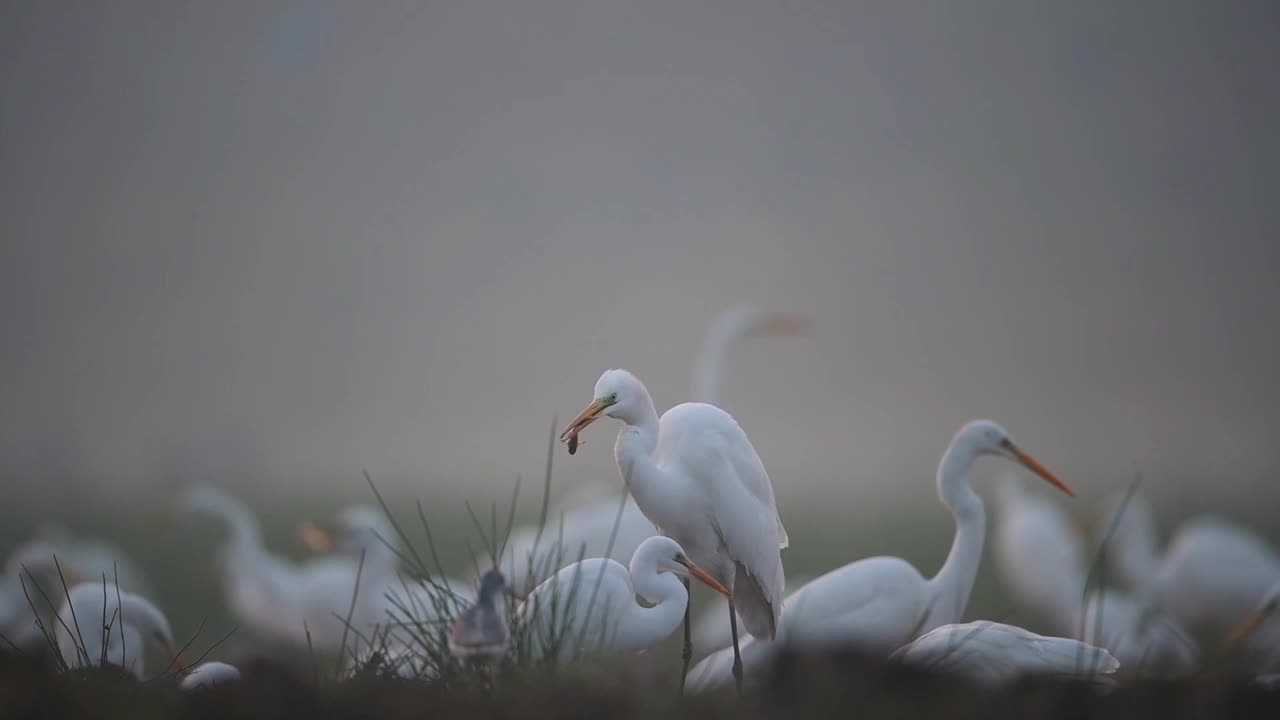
{"type": "Point", "coordinates": [269, 244]}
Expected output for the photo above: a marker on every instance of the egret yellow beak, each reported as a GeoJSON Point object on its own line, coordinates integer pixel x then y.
{"type": "Point", "coordinates": [1243, 630]}
{"type": "Point", "coordinates": [786, 324]}
{"type": "Point", "coordinates": [178, 662]}
{"type": "Point", "coordinates": [589, 415]}
{"type": "Point", "coordinates": [316, 539]}
{"type": "Point", "coordinates": [1034, 466]}
{"type": "Point", "coordinates": [705, 577]}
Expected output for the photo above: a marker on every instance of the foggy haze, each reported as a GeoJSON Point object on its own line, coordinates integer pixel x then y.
{"type": "Point", "coordinates": [288, 241]}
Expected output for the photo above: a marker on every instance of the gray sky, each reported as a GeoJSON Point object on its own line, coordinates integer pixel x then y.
{"type": "Point", "coordinates": [290, 240]}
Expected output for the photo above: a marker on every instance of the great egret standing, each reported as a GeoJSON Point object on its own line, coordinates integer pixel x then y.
{"type": "Point", "coordinates": [695, 474]}
{"type": "Point", "coordinates": [583, 524]}
{"type": "Point", "coordinates": [883, 603]}
{"type": "Point", "coordinates": [991, 654]}
{"type": "Point", "coordinates": [95, 625]}
{"type": "Point", "coordinates": [590, 605]}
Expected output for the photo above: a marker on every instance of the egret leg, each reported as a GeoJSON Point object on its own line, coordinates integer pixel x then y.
{"type": "Point", "coordinates": [737, 653]}
{"type": "Point", "coordinates": [686, 654]}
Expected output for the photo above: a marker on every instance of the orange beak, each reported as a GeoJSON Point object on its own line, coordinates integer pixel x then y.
{"type": "Point", "coordinates": [706, 578]}
{"type": "Point", "coordinates": [1243, 630]}
{"type": "Point", "coordinates": [177, 659]}
{"type": "Point", "coordinates": [315, 538]}
{"type": "Point", "coordinates": [786, 324]}
{"type": "Point", "coordinates": [1034, 466]}
{"type": "Point", "coordinates": [589, 415]}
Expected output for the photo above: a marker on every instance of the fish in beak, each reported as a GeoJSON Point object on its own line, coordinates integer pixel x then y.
{"type": "Point", "coordinates": [590, 414]}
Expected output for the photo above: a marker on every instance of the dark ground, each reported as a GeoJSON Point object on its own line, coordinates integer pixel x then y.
{"type": "Point", "coordinates": [811, 686]}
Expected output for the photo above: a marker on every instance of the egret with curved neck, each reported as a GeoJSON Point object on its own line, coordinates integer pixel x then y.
{"type": "Point", "coordinates": [590, 605]}
{"type": "Point", "coordinates": [696, 476]}
{"type": "Point", "coordinates": [882, 603]}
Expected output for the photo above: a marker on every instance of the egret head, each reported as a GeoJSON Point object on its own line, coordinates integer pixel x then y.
{"type": "Point", "coordinates": [750, 321]}
{"type": "Point", "coordinates": [666, 555]}
{"type": "Point", "coordinates": [987, 437]}
{"type": "Point", "coordinates": [1266, 608]}
{"type": "Point", "coordinates": [618, 394]}
{"type": "Point", "coordinates": [149, 620]}
{"type": "Point", "coordinates": [357, 528]}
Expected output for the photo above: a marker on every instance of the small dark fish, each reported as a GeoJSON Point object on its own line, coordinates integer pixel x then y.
{"type": "Point", "coordinates": [573, 443]}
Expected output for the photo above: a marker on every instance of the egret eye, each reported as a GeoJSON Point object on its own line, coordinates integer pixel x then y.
{"type": "Point", "coordinates": [613, 397]}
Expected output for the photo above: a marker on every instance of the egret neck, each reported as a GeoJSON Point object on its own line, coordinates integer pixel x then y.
{"type": "Point", "coordinates": [954, 581]}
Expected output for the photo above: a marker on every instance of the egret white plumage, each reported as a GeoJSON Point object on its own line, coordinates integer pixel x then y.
{"type": "Point", "coordinates": [591, 605]}
{"type": "Point", "coordinates": [209, 674]}
{"type": "Point", "coordinates": [1148, 644]}
{"type": "Point", "coordinates": [582, 525]}
{"type": "Point", "coordinates": [991, 654]}
{"type": "Point", "coordinates": [883, 603]}
{"type": "Point", "coordinates": [32, 559]}
{"type": "Point", "coordinates": [1040, 556]}
{"type": "Point", "coordinates": [259, 587]}
{"type": "Point", "coordinates": [95, 626]}
{"type": "Point", "coordinates": [93, 558]}
{"type": "Point", "coordinates": [729, 329]}
{"type": "Point", "coordinates": [695, 474]}
{"type": "Point", "coordinates": [1212, 573]}
{"type": "Point", "coordinates": [710, 633]}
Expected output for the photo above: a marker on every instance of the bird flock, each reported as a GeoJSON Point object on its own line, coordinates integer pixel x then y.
{"type": "Point", "coordinates": [614, 572]}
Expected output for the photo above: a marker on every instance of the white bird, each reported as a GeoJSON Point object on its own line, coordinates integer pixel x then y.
{"type": "Point", "coordinates": [729, 329]}
{"type": "Point", "coordinates": [591, 605]}
{"type": "Point", "coordinates": [1040, 556]}
{"type": "Point", "coordinates": [96, 625]}
{"type": "Point", "coordinates": [260, 587]}
{"type": "Point", "coordinates": [883, 603]}
{"type": "Point", "coordinates": [1212, 573]}
{"type": "Point", "coordinates": [93, 558]}
{"type": "Point", "coordinates": [1147, 644]}
{"type": "Point", "coordinates": [32, 559]}
{"type": "Point", "coordinates": [582, 525]}
{"type": "Point", "coordinates": [710, 633]}
{"type": "Point", "coordinates": [992, 654]}
{"type": "Point", "coordinates": [209, 674]}
{"type": "Point", "coordinates": [695, 474]}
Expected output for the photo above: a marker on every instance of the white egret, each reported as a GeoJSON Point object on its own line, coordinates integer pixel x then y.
{"type": "Point", "coordinates": [480, 632]}
{"type": "Point", "coordinates": [695, 474]}
{"type": "Point", "coordinates": [1040, 556]}
{"type": "Point", "coordinates": [582, 524]}
{"type": "Point", "coordinates": [1212, 573]}
{"type": "Point", "coordinates": [883, 603]}
{"type": "Point", "coordinates": [96, 625]}
{"type": "Point", "coordinates": [260, 588]}
{"type": "Point", "coordinates": [591, 605]}
{"type": "Point", "coordinates": [727, 331]}
{"type": "Point", "coordinates": [1147, 644]}
{"type": "Point", "coordinates": [710, 633]}
{"type": "Point", "coordinates": [94, 557]}
{"type": "Point", "coordinates": [992, 654]}
{"type": "Point", "coordinates": [209, 674]}
{"type": "Point", "coordinates": [33, 558]}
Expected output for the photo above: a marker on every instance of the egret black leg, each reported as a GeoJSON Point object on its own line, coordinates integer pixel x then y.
{"type": "Point", "coordinates": [686, 654]}
{"type": "Point", "coordinates": [737, 653]}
